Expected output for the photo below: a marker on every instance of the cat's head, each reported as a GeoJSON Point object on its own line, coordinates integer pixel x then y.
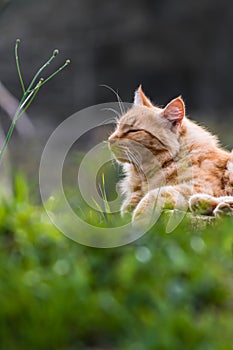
{"type": "Point", "coordinates": [146, 129]}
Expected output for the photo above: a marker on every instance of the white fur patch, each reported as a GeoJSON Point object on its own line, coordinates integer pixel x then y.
{"type": "Point", "coordinates": [137, 98]}
{"type": "Point", "coordinates": [230, 166]}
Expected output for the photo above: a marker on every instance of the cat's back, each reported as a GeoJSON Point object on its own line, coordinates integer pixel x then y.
{"type": "Point", "coordinates": [209, 161]}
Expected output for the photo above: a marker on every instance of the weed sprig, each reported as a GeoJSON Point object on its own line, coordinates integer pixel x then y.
{"type": "Point", "coordinates": [29, 93]}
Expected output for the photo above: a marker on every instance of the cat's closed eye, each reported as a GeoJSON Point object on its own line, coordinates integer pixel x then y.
{"type": "Point", "coordinates": [133, 130]}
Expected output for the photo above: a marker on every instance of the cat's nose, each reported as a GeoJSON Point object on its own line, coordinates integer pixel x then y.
{"type": "Point", "coordinates": [112, 138]}
{"type": "Point", "coordinates": [115, 136]}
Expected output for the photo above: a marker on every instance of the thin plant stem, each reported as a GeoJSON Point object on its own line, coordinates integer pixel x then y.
{"type": "Point", "coordinates": [16, 117]}
{"type": "Point", "coordinates": [17, 65]}
{"type": "Point", "coordinates": [8, 136]}
{"type": "Point", "coordinates": [28, 94]}
{"type": "Point", "coordinates": [56, 72]}
{"type": "Point", "coordinates": [33, 94]}
{"type": "Point", "coordinates": [104, 194]}
{"type": "Point", "coordinates": [55, 53]}
{"type": "Point", "coordinates": [22, 104]}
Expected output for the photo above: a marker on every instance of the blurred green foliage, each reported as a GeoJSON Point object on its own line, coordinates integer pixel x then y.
{"type": "Point", "coordinates": [165, 291]}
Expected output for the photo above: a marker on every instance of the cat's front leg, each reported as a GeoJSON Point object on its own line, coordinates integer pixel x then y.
{"type": "Point", "coordinates": [224, 209]}
{"type": "Point", "coordinates": [130, 203]}
{"type": "Point", "coordinates": [204, 204]}
{"type": "Point", "coordinates": [150, 207]}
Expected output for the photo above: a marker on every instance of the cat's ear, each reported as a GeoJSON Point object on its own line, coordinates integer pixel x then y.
{"type": "Point", "coordinates": [140, 98]}
{"type": "Point", "coordinates": [175, 111]}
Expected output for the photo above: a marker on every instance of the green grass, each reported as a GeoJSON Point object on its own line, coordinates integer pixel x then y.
{"type": "Point", "coordinates": [165, 291]}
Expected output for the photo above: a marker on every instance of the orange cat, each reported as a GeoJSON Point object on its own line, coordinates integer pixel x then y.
{"type": "Point", "coordinates": [170, 162]}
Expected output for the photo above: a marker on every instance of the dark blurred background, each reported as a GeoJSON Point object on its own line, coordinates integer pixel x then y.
{"type": "Point", "coordinates": [171, 47]}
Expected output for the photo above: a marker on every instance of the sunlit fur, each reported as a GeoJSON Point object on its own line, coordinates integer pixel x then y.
{"type": "Point", "coordinates": [170, 159]}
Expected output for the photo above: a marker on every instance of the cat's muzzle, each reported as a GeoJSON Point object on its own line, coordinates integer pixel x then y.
{"type": "Point", "coordinates": [118, 151]}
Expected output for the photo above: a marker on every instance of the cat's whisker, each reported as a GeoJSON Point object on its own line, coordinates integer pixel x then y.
{"type": "Point", "coordinates": [118, 114]}
{"type": "Point", "coordinates": [133, 159]}
{"type": "Point", "coordinates": [137, 160]}
{"type": "Point", "coordinates": [120, 102]}
{"type": "Point", "coordinates": [113, 163]}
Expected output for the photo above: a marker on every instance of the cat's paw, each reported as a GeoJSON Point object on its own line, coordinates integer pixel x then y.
{"type": "Point", "coordinates": [150, 207]}
{"type": "Point", "coordinates": [224, 209]}
{"type": "Point", "coordinates": [147, 211]}
{"type": "Point", "coordinates": [202, 204]}
{"type": "Point", "coordinates": [128, 207]}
